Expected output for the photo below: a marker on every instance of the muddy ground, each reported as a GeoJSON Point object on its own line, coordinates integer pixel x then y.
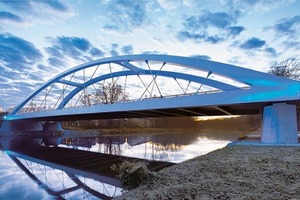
{"type": "Point", "coordinates": [237, 172]}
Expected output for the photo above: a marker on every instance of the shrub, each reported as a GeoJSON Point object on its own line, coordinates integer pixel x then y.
{"type": "Point", "coordinates": [132, 174]}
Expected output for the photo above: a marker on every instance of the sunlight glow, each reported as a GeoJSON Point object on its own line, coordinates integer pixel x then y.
{"type": "Point", "coordinates": [206, 118]}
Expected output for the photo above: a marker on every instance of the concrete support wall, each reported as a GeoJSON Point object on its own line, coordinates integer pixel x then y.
{"type": "Point", "coordinates": [280, 124]}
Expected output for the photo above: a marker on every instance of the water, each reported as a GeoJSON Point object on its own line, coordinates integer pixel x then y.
{"type": "Point", "coordinates": [22, 177]}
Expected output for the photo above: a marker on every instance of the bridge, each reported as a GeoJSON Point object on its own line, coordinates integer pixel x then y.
{"type": "Point", "coordinates": [139, 86]}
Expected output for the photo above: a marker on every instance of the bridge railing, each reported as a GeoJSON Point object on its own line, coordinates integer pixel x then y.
{"type": "Point", "coordinates": [42, 109]}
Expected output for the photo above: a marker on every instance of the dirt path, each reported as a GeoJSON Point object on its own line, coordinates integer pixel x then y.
{"type": "Point", "coordinates": [238, 172]}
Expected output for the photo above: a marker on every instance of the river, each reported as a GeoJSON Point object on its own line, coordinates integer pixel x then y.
{"type": "Point", "coordinates": [23, 176]}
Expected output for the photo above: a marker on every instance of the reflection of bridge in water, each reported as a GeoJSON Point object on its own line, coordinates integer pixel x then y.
{"type": "Point", "coordinates": [73, 162]}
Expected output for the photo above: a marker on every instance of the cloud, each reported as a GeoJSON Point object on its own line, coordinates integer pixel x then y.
{"type": "Point", "coordinates": [183, 35]}
{"type": "Point", "coordinates": [18, 69]}
{"type": "Point", "coordinates": [96, 52]}
{"type": "Point", "coordinates": [203, 57]}
{"type": "Point", "coordinates": [203, 27]}
{"type": "Point", "coordinates": [124, 15]}
{"type": "Point", "coordinates": [198, 37]}
{"type": "Point", "coordinates": [253, 43]}
{"type": "Point", "coordinates": [295, 45]}
{"type": "Point", "coordinates": [127, 49]}
{"type": "Point", "coordinates": [114, 52]}
{"type": "Point", "coordinates": [16, 52]}
{"type": "Point", "coordinates": [270, 51]}
{"type": "Point", "coordinates": [288, 26]}
{"type": "Point", "coordinates": [18, 5]}
{"type": "Point", "coordinates": [7, 16]}
{"type": "Point", "coordinates": [214, 39]}
{"type": "Point", "coordinates": [170, 4]}
{"type": "Point", "coordinates": [30, 5]}
{"type": "Point", "coordinates": [31, 12]}
{"type": "Point", "coordinates": [153, 52]}
{"type": "Point", "coordinates": [219, 20]}
{"type": "Point", "coordinates": [235, 30]}
{"type": "Point", "coordinates": [55, 5]}
{"type": "Point", "coordinates": [56, 62]}
{"type": "Point", "coordinates": [253, 6]}
{"type": "Point", "coordinates": [73, 46]}
{"type": "Point", "coordinates": [64, 47]}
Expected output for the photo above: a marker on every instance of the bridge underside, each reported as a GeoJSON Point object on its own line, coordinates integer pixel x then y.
{"type": "Point", "coordinates": [237, 109]}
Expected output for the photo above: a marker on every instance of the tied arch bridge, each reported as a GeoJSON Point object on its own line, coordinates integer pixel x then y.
{"type": "Point", "coordinates": [147, 85]}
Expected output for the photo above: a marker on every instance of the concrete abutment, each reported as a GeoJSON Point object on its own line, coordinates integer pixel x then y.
{"type": "Point", "coordinates": [280, 124]}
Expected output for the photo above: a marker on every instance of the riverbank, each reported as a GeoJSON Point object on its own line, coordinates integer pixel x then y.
{"type": "Point", "coordinates": [236, 172]}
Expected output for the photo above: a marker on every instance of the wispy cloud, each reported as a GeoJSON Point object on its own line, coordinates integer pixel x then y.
{"type": "Point", "coordinates": [219, 20]}
{"type": "Point", "coordinates": [8, 16]}
{"type": "Point", "coordinates": [124, 15]}
{"type": "Point", "coordinates": [116, 49]}
{"type": "Point", "coordinates": [31, 12]}
{"type": "Point", "coordinates": [55, 5]}
{"type": "Point", "coordinates": [203, 57]}
{"type": "Point", "coordinates": [18, 61]}
{"type": "Point", "coordinates": [64, 47]}
{"type": "Point", "coordinates": [288, 26]}
{"type": "Point", "coordinates": [127, 49]}
{"type": "Point", "coordinates": [254, 6]}
{"type": "Point", "coordinates": [17, 53]}
{"type": "Point", "coordinates": [200, 28]}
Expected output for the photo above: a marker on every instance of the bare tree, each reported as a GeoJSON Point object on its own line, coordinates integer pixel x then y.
{"type": "Point", "coordinates": [289, 68]}
{"type": "Point", "coordinates": [110, 93]}
{"type": "Point", "coordinates": [86, 100]}
{"type": "Point", "coordinates": [105, 94]}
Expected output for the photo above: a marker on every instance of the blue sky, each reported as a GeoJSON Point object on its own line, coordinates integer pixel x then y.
{"type": "Point", "coordinates": [39, 39]}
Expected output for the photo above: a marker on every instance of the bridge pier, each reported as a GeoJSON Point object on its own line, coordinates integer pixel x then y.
{"type": "Point", "coordinates": [52, 126]}
{"type": "Point", "coordinates": [20, 125]}
{"type": "Point", "coordinates": [14, 126]}
{"type": "Point", "coordinates": [280, 124]}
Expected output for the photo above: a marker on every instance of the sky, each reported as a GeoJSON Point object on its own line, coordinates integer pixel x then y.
{"type": "Point", "coordinates": [42, 38]}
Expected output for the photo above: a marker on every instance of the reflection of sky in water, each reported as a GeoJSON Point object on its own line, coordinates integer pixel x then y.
{"type": "Point", "coordinates": [15, 184]}
{"type": "Point", "coordinates": [152, 151]}
{"type": "Point", "coordinates": [175, 147]}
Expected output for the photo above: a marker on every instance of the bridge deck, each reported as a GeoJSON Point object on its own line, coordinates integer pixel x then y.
{"type": "Point", "coordinates": [89, 164]}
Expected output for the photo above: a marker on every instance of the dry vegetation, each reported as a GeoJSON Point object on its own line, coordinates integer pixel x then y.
{"type": "Point", "coordinates": [238, 172]}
